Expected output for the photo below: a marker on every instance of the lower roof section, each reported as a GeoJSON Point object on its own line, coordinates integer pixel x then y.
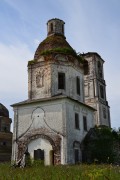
{"type": "Point", "coordinates": [57, 97]}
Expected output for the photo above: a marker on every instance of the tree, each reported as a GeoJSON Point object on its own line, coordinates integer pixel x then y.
{"type": "Point", "coordinates": [101, 143]}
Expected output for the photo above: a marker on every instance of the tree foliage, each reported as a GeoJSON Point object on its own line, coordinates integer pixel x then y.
{"type": "Point", "coordinates": [101, 144]}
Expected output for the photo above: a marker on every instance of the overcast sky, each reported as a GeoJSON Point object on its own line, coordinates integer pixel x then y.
{"type": "Point", "coordinates": [90, 26]}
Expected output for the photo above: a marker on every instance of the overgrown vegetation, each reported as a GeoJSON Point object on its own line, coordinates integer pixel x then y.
{"type": "Point", "coordinates": [31, 62]}
{"type": "Point", "coordinates": [101, 147]}
{"type": "Point", "coordinates": [67, 51]}
{"type": "Point", "coordinates": [76, 172]}
{"type": "Point", "coordinates": [102, 144]}
{"type": "Point", "coordinates": [55, 44]}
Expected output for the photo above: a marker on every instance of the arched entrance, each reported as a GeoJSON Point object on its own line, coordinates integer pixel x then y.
{"type": "Point", "coordinates": [40, 149]}
{"type": "Point", "coordinates": [50, 140]}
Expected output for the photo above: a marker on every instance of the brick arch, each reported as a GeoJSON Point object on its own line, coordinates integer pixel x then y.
{"type": "Point", "coordinates": [43, 133]}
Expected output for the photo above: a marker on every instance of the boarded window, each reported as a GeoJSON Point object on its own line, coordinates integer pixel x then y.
{"type": "Point", "coordinates": [78, 85]}
{"type": "Point", "coordinates": [77, 121]}
{"type": "Point", "coordinates": [84, 123]}
{"type": "Point", "coordinates": [61, 80]}
{"type": "Point", "coordinates": [76, 151]}
{"type": "Point", "coordinates": [39, 154]}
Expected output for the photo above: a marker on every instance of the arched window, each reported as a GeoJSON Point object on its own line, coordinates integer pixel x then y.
{"type": "Point", "coordinates": [61, 80]}
{"type": "Point", "coordinates": [51, 27]}
{"type": "Point", "coordinates": [99, 69]}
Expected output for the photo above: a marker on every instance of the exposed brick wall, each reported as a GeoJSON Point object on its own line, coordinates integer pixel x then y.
{"type": "Point", "coordinates": [44, 134]}
{"type": "Point", "coordinates": [92, 83]}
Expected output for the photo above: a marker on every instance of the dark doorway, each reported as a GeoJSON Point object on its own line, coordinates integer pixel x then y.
{"type": "Point", "coordinates": [38, 154]}
{"type": "Point", "coordinates": [76, 155]}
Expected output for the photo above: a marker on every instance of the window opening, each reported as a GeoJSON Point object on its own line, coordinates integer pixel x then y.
{"type": "Point", "coordinates": [99, 69]}
{"type": "Point", "coordinates": [4, 143]}
{"type": "Point", "coordinates": [76, 151]}
{"type": "Point", "coordinates": [78, 85]}
{"type": "Point", "coordinates": [85, 123]}
{"type": "Point", "coordinates": [102, 92]}
{"type": "Point", "coordinates": [51, 26]}
{"type": "Point", "coordinates": [61, 80]}
{"type": "Point", "coordinates": [39, 154]}
{"type": "Point", "coordinates": [104, 113]}
{"type": "Point", "coordinates": [5, 129]}
{"type": "Point", "coordinates": [76, 121]}
{"type": "Point", "coordinates": [85, 68]}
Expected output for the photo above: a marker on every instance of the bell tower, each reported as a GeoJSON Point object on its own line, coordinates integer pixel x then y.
{"type": "Point", "coordinates": [95, 87]}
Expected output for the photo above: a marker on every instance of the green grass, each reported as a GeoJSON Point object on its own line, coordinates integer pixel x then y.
{"type": "Point", "coordinates": [76, 172]}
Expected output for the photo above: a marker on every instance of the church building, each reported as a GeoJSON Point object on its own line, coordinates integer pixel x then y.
{"type": "Point", "coordinates": [58, 113]}
{"type": "Point", "coordinates": [5, 135]}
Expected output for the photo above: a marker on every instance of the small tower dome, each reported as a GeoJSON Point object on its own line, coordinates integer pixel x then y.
{"type": "Point", "coordinates": [55, 39]}
{"type": "Point", "coordinates": [3, 111]}
{"type": "Point", "coordinates": [55, 26]}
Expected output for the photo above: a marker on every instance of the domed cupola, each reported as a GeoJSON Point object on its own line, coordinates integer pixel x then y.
{"type": "Point", "coordinates": [3, 111]}
{"type": "Point", "coordinates": [55, 41]}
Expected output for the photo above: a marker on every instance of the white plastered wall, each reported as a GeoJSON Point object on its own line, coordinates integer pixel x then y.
{"type": "Point", "coordinates": [70, 81]}
{"type": "Point", "coordinates": [42, 144]}
{"type": "Point", "coordinates": [73, 134]}
{"type": "Point", "coordinates": [49, 114]}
